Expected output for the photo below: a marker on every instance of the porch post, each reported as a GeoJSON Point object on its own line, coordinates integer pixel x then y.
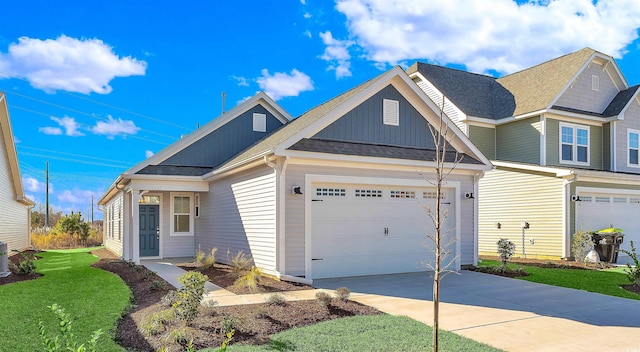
{"type": "Point", "coordinates": [126, 227]}
{"type": "Point", "coordinates": [135, 225]}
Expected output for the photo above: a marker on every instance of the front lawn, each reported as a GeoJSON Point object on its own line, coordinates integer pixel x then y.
{"type": "Point", "coordinates": [364, 333]}
{"type": "Point", "coordinates": [606, 282]}
{"type": "Point", "coordinates": [95, 299]}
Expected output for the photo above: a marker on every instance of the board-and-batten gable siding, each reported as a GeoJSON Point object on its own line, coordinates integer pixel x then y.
{"type": "Point", "coordinates": [226, 141]}
{"type": "Point", "coordinates": [14, 217]}
{"type": "Point", "coordinates": [596, 149]}
{"type": "Point", "coordinates": [177, 245]}
{"type": "Point", "coordinates": [615, 188]}
{"type": "Point", "coordinates": [364, 124]}
{"type": "Point", "coordinates": [113, 228]}
{"type": "Point", "coordinates": [519, 141]}
{"type": "Point", "coordinates": [454, 114]}
{"type": "Point", "coordinates": [581, 96]}
{"type": "Point", "coordinates": [511, 197]}
{"type": "Point", "coordinates": [631, 121]}
{"type": "Point", "coordinates": [485, 139]}
{"type": "Point", "coordinates": [295, 209]}
{"type": "Point", "coordinates": [239, 214]}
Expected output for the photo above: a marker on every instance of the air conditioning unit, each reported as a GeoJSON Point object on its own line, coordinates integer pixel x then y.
{"type": "Point", "coordinates": [4, 260]}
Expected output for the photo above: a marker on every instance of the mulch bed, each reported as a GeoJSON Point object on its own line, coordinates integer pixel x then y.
{"type": "Point", "coordinates": [15, 276]}
{"type": "Point", "coordinates": [223, 276]}
{"type": "Point", "coordinates": [254, 324]}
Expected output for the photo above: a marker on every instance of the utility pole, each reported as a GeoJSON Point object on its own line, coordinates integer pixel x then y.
{"type": "Point", "coordinates": [91, 209]}
{"type": "Point", "coordinates": [46, 217]}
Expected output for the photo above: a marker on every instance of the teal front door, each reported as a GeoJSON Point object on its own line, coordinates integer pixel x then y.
{"type": "Point", "coordinates": [149, 230]}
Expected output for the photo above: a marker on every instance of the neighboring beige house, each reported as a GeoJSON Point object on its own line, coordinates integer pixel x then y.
{"type": "Point", "coordinates": [339, 191]}
{"type": "Point", "coordinates": [564, 136]}
{"type": "Point", "coordinates": [15, 214]}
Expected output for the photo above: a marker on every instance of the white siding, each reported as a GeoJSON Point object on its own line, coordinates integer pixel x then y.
{"type": "Point", "coordinates": [14, 217]}
{"type": "Point", "coordinates": [239, 213]}
{"type": "Point", "coordinates": [113, 224]}
{"type": "Point", "coordinates": [510, 197]}
{"type": "Point", "coordinates": [580, 95]}
{"type": "Point", "coordinates": [295, 210]}
{"type": "Point", "coordinates": [450, 110]}
{"type": "Point", "coordinates": [631, 121]}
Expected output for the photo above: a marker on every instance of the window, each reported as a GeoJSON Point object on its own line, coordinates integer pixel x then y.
{"type": "Point", "coordinates": [181, 214]}
{"type": "Point", "coordinates": [369, 193]}
{"type": "Point", "coordinates": [633, 148]}
{"type": "Point", "coordinates": [391, 112]}
{"type": "Point", "coordinates": [574, 144]}
{"type": "Point", "coordinates": [260, 122]}
{"type": "Point", "coordinates": [331, 192]}
{"type": "Point", "coordinates": [403, 194]}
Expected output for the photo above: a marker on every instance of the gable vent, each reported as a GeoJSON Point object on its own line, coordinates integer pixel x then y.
{"type": "Point", "coordinates": [259, 122]}
{"type": "Point", "coordinates": [595, 83]}
{"type": "Point", "coordinates": [391, 112]}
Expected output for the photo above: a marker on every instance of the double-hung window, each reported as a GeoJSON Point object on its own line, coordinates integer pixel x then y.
{"type": "Point", "coordinates": [181, 214]}
{"type": "Point", "coordinates": [633, 147]}
{"type": "Point", "coordinates": [574, 144]}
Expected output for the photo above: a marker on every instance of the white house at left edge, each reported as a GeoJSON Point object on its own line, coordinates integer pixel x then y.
{"type": "Point", "coordinates": [15, 214]}
{"type": "Point", "coordinates": [342, 190]}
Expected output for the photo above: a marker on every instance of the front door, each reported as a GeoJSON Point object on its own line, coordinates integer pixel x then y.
{"type": "Point", "coordinates": [149, 230]}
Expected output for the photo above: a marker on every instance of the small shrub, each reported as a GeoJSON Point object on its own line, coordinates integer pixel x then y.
{"type": "Point", "coordinates": [153, 324]}
{"type": "Point", "coordinates": [183, 335]}
{"type": "Point", "coordinates": [66, 340]}
{"type": "Point", "coordinates": [343, 293]}
{"type": "Point", "coordinates": [324, 299]}
{"type": "Point", "coordinates": [225, 343]}
{"type": "Point", "coordinates": [241, 263]}
{"type": "Point", "coordinates": [210, 303]}
{"type": "Point", "coordinates": [632, 271]}
{"type": "Point", "coordinates": [190, 295]}
{"type": "Point", "coordinates": [506, 249]}
{"type": "Point", "coordinates": [206, 260]}
{"type": "Point", "coordinates": [581, 245]}
{"type": "Point", "coordinates": [260, 312]}
{"type": "Point", "coordinates": [230, 324]}
{"type": "Point", "coordinates": [169, 299]}
{"type": "Point", "coordinates": [276, 299]}
{"type": "Point", "coordinates": [148, 274]}
{"type": "Point", "coordinates": [158, 285]}
{"type": "Point", "coordinates": [26, 266]}
{"type": "Point", "coordinates": [200, 255]}
{"type": "Point", "coordinates": [250, 279]}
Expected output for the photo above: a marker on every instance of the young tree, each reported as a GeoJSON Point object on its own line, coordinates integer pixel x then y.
{"type": "Point", "coordinates": [445, 163]}
{"type": "Point", "coordinates": [73, 225]}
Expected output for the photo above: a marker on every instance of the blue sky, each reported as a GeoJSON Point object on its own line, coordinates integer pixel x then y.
{"type": "Point", "coordinates": [96, 87]}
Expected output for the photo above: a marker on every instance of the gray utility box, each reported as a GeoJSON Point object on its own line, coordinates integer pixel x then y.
{"type": "Point", "coordinates": [4, 260]}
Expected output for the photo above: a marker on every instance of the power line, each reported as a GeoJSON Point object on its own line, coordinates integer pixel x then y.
{"type": "Point", "coordinates": [73, 160]}
{"type": "Point", "coordinates": [76, 155]}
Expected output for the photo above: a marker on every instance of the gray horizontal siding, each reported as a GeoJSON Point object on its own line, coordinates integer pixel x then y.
{"type": "Point", "coordinates": [596, 151]}
{"type": "Point", "coordinates": [485, 139]}
{"type": "Point", "coordinates": [519, 141]}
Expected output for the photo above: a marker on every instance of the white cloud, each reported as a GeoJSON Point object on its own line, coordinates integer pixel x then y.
{"type": "Point", "coordinates": [70, 126]}
{"type": "Point", "coordinates": [337, 54]}
{"type": "Point", "coordinates": [306, 15]}
{"type": "Point", "coordinates": [16, 140]}
{"type": "Point", "coordinates": [76, 196]}
{"type": "Point", "coordinates": [503, 36]}
{"type": "Point", "coordinates": [114, 127]}
{"type": "Point", "coordinates": [281, 85]}
{"type": "Point", "coordinates": [74, 65]}
{"type": "Point", "coordinates": [54, 131]}
{"type": "Point", "coordinates": [242, 82]}
{"type": "Point", "coordinates": [148, 153]}
{"type": "Point", "coordinates": [33, 185]}
{"type": "Point", "coordinates": [307, 34]}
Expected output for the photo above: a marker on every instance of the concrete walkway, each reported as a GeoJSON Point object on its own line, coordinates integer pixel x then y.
{"type": "Point", "coordinates": [512, 315]}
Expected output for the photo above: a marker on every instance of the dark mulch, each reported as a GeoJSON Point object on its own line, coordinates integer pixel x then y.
{"type": "Point", "coordinates": [15, 276]}
{"type": "Point", "coordinates": [223, 276]}
{"type": "Point", "coordinates": [632, 288]}
{"type": "Point", "coordinates": [254, 324]}
{"type": "Point", "coordinates": [494, 271]}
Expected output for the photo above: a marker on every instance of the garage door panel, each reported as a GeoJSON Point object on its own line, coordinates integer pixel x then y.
{"type": "Point", "coordinates": [371, 235]}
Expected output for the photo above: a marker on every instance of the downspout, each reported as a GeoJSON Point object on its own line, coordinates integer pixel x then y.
{"type": "Point", "coordinates": [566, 219]}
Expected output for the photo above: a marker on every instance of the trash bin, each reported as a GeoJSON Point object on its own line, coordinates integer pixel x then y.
{"type": "Point", "coordinates": [607, 244]}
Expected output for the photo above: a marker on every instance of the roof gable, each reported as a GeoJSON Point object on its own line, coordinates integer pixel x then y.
{"type": "Point", "coordinates": [9, 146]}
{"type": "Point", "coordinates": [216, 142]}
{"type": "Point", "coordinates": [314, 121]}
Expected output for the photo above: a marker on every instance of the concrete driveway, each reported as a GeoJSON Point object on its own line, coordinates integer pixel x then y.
{"type": "Point", "coordinates": [509, 314]}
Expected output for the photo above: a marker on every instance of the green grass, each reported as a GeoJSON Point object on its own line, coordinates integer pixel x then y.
{"type": "Point", "coordinates": [606, 282]}
{"type": "Point", "coordinates": [364, 333]}
{"type": "Point", "coordinates": [94, 298]}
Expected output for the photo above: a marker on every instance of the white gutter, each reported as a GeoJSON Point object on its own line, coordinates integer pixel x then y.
{"type": "Point", "coordinates": [545, 169]}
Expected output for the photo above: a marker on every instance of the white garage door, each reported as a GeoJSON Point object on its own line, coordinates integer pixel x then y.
{"type": "Point", "coordinates": [367, 230]}
{"type": "Point", "coordinates": [596, 211]}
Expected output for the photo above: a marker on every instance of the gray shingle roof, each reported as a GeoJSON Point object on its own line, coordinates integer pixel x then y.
{"type": "Point", "coordinates": [476, 95]}
{"type": "Point", "coordinates": [376, 150]}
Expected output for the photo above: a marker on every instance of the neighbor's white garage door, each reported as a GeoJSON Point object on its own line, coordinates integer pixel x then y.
{"type": "Point", "coordinates": [596, 211]}
{"type": "Point", "coordinates": [367, 230]}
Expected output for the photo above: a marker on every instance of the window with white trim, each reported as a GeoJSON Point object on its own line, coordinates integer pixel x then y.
{"type": "Point", "coordinates": [181, 214]}
{"type": "Point", "coordinates": [259, 122]}
{"type": "Point", "coordinates": [391, 112]}
{"type": "Point", "coordinates": [574, 144]}
{"type": "Point", "coordinates": [633, 148]}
